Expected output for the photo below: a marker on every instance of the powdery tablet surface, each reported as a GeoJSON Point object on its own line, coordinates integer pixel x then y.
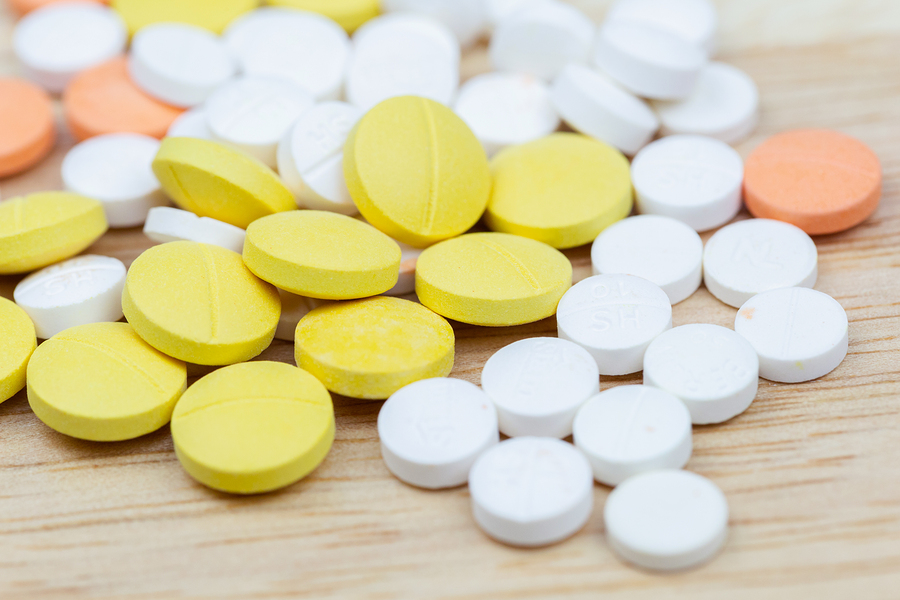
{"type": "Point", "coordinates": [754, 256]}
{"type": "Point", "coordinates": [695, 21]}
{"type": "Point", "coordinates": [531, 491]}
{"type": "Point", "coordinates": [293, 308]}
{"type": "Point", "coordinates": [713, 370]}
{"type": "Point", "coordinates": [349, 14]}
{"type": "Point", "coordinates": [691, 178]}
{"type": "Point", "coordinates": [191, 123]}
{"type": "Point", "coordinates": [408, 25]}
{"type": "Point", "coordinates": [662, 250]}
{"type": "Point", "coordinates": [614, 317]}
{"type": "Point", "coordinates": [19, 342]}
{"type": "Point", "coordinates": [27, 126]}
{"type": "Point", "coordinates": [165, 224]}
{"type": "Point", "coordinates": [465, 18]}
{"type": "Point", "coordinates": [799, 334]}
{"type": "Point", "coordinates": [83, 290]}
{"type": "Point", "coordinates": [433, 430]}
{"type": "Point", "coordinates": [666, 520]}
{"type": "Point", "coordinates": [633, 429]}
{"type": "Point", "coordinates": [209, 14]}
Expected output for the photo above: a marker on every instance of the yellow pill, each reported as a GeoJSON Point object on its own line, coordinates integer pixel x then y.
{"type": "Point", "coordinates": [19, 341]}
{"type": "Point", "coordinates": [349, 14]}
{"type": "Point", "coordinates": [47, 227]}
{"type": "Point", "coordinates": [371, 348]}
{"type": "Point", "coordinates": [102, 382]}
{"type": "Point", "coordinates": [416, 171]}
{"type": "Point", "coordinates": [492, 279]}
{"type": "Point", "coordinates": [200, 304]}
{"type": "Point", "coordinates": [209, 14]}
{"type": "Point", "coordinates": [253, 427]}
{"type": "Point", "coordinates": [562, 190]}
{"type": "Point", "coordinates": [211, 180]}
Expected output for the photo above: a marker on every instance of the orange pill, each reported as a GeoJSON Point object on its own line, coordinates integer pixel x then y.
{"type": "Point", "coordinates": [27, 128]}
{"type": "Point", "coordinates": [26, 6]}
{"type": "Point", "coordinates": [103, 99]}
{"type": "Point", "coordinates": [820, 180]}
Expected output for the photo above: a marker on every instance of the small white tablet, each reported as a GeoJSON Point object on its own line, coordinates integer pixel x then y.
{"type": "Point", "coordinates": [406, 283]}
{"type": "Point", "coordinates": [467, 19]}
{"type": "Point", "coordinates": [405, 25]}
{"type": "Point", "coordinates": [166, 224]}
{"type": "Point", "coordinates": [695, 21]}
{"type": "Point", "coordinates": [293, 308]}
{"type": "Point", "coordinates": [191, 123]}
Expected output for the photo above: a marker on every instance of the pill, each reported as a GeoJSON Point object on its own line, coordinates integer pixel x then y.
{"type": "Point", "coordinates": [79, 291]}
{"type": "Point", "coordinates": [43, 228]}
{"type": "Point", "coordinates": [56, 42]}
{"type": "Point", "coordinates": [116, 170]}
{"type": "Point", "coordinates": [433, 430]}
{"type": "Point", "coordinates": [661, 250]}
{"type": "Point", "coordinates": [562, 190]}
{"type": "Point", "coordinates": [191, 123]}
{"type": "Point", "coordinates": [614, 317]}
{"type": "Point", "coordinates": [465, 18]}
{"type": "Point", "coordinates": [500, 10]}
{"type": "Point", "coordinates": [349, 14]}
{"type": "Point", "coordinates": [593, 105]}
{"type": "Point", "coordinates": [406, 282]}
{"type": "Point", "coordinates": [695, 21]}
{"type": "Point", "coordinates": [26, 6]}
{"type": "Point", "coordinates": [822, 181]}
{"type": "Point", "coordinates": [101, 382]}
{"type": "Point", "coordinates": [334, 342]}
{"type": "Point", "coordinates": [538, 385]}
{"type": "Point", "coordinates": [311, 157]}
{"type": "Point", "coordinates": [321, 255]}
{"type": "Point", "coordinates": [694, 179]}
{"type": "Point", "coordinates": [531, 491]}
{"type": "Point", "coordinates": [293, 308]}
{"type": "Point", "coordinates": [416, 171]}
{"type": "Point", "coordinates": [19, 342]}
{"type": "Point", "coordinates": [406, 25]}
{"type": "Point", "coordinates": [492, 279]}
{"type": "Point", "coordinates": [253, 428]}
{"type": "Point", "coordinates": [754, 256]}
{"type": "Point", "coordinates": [666, 520]}
{"type": "Point", "coordinates": [298, 45]}
{"type": "Point", "coordinates": [199, 303]}
{"type": "Point", "coordinates": [799, 334]}
{"type": "Point", "coordinates": [212, 180]}
{"type": "Point", "coordinates": [503, 109]}
{"type": "Point", "coordinates": [165, 224]}
{"type": "Point", "coordinates": [27, 126]}
{"type": "Point", "coordinates": [209, 14]}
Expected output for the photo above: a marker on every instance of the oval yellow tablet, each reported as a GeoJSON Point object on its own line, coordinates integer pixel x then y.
{"type": "Point", "coordinates": [19, 341]}
{"type": "Point", "coordinates": [322, 255]}
{"type": "Point", "coordinates": [349, 14]}
{"type": "Point", "coordinates": [371, 348]}
{"type": "Point", "coordinates": [416, 171]}
{"type": "Point", "coordinates": [492, 279]}
{"type": "Point", "coordinates": [562, 190]}
{"type": "Point", "coordinates": [253, 427]}
{"type": "Point", "coordinates": [211, 180]}
{"type": "Point", "coordinates": [209, 14]}
{"type": "Point", "coordinates": [47, 227]}
{"type": "Point", "coordinates": [200, 304]}
{"type": "Point", "coordinates": [102, 382]}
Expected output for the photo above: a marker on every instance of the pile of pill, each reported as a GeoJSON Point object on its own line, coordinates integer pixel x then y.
{"type": "Point", "coordinates": [317, 177]}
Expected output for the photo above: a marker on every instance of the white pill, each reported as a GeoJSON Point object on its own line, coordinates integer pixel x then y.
{"type": "Point", "coordinates": [293, 308]}
{"type": "Point", "coordinates": [191, 123]}
{"type": "Point", "coordinates": [304, 47]}
{"type": "Point", "coordinates": [500, 10]}
{"type": "Point", "coordinates": [467, 19]}
{"type": "Point", "coordinates": [694, 21]}
{"type": "Point", "coordinates": [406, 283]}
{"type": "Point", "coordinates": [614, 317]}
{"type": "Point", "coordinates": [116, 170]}
{"type": "Point", "coordinates": [724, 105]}
{"type": "Point", "coordinates": [661, 250]}
{"type": "Point", "coordinates": [713, 370]}
{"type": "Point", "coordinates": [691, 178]}
{"type": "Point", "coordinates": [253, 114]}
{"type": "Point", "coordinates": [754, 256]}
{"type": "Point", "coordinates": [58, 41]}
{"type": "Point", "coordinates": [633, 429]}
{"type": "Point", "coordinates": [506, 108]}
{"type": "Point", "coordinates": [593, 105]}
{"type": "Point", "coordinates": [166, 224]}
{"type": "Point", "coordinates": [405, 25]}
{"type": "Point", "coordinates": [82, 290]}
{"type": "Point", "coordinates": [541, 38]}
{"type": "Point", "coordinates": [531, 491]}
{"type": "Point", "coordinates": [433, 430]}
{"type": "Point", "coordinates": [666, 520]}
{"type": "Point", "coordinates": [799, 334]}
{"type": "Point", "coordinates": [538, 385]}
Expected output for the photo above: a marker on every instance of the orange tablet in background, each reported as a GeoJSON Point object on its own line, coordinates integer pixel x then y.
{"type": "Point", "coordinates": [22, 7]}
{"type": "Point", "coordinates": [27, 126]}
{"type": "Point", "coordinates": [820, 180]}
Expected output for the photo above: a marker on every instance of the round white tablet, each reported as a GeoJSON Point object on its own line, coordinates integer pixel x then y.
{"type": "Point", "coordinates": [662, 250]}
{"type": "Point", "coordinates": [666, 520]}
{"type": "Point", "coordinates": [191, 123]}
{"type": "Point", "coordinates": [799, 334]}
{"type": "Point", "coordinates": [406, 25]}
{"type": "Point", "coordinates": [614, 317]}
{"type": "Point", "coordinates": [58, 41]}
{"type": "Point", "coordinates": [465, 18]}
{"type": "Point", "coordinates": [82, 290]}
{"type": "Point", "coordinates": [531, 491]}
{"type": "Point", "coordinates": [694, 179]}
{"type": "Point", "coordinates": [758, 255]}
{"type": "Point", "coordinates": [433, 430]}
{"type": "Point", "coordinates": [713, 370]}
{"type": "Point", "coordinates": [633, 429]}
{"type": "Point", "coordinates": [116, 170]}
{"type": "Point", "coordinates": [166, 224]}
{"type": "Point", "coordinates": [538, 385]}
{"type": "Point", "coordinates": [406, 283]}
{"type": "Point", "coordinates": [500, 10]}
{"type": "Point", "coordinates": [695, 21]}
{"type": "Point", "coordinates": [304, 47]}
{"type": "Point", "coordinates": [293, 308]}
